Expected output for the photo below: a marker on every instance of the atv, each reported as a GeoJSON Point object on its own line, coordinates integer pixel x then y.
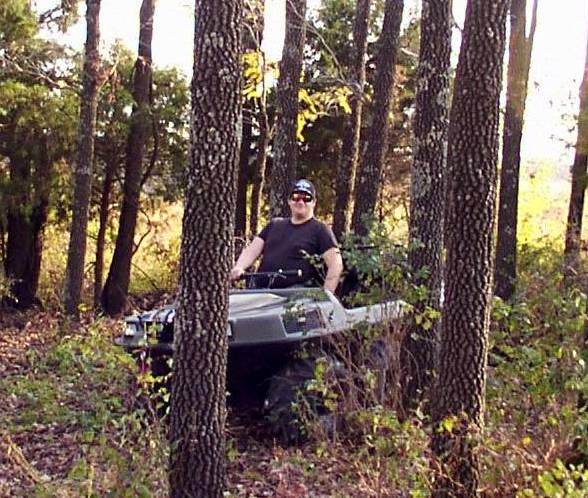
{"type": "Point", "coordinates": [275, 337]}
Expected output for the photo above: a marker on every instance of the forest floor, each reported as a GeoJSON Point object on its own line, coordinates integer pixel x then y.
{"type": "Point", "coordinates": [68, 427]}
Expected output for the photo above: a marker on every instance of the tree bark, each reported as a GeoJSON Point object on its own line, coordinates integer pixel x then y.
{"type": "Point", "coordinates": [260, 167]}
{"type": "Point", "coordinates": [284, 166]}
{"type": "Point", "coordinates": [459, 395]}
{"type": "Point", "coordinates": [116, 288]}
{"type": "Point", "coordinates": [427, 191]}
{"type": "Point", "coordinates": [102, 226]}
{"type": "Point", "coordinates": [76, 255]}
{"type": "Point", "coordinates": [519, 62]}
{"type": "Point", "coordinates": [369, 180]}
{"type": "Point", "coordinates": [243, 179]}
{"type": "Point", "coordinates": [198, 411]}
{"type": "Point", "coordinates": [576, 205]}
{"type": "Point", "coordinates": [352, 133]}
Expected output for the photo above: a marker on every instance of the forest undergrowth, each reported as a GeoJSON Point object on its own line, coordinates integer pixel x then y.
{"type": "Point", "coordinates": [79, 419]}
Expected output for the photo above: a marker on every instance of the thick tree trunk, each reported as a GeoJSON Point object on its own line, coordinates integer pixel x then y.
{"type": "Point", "coordinates": [370, 175]}
{"type": "Point", "coordinates": [243, 179]}
{"type": "Point", "coordinates": [284, 167]}
{"type": "Point", "coordinates": [102, 226]}
{"type": "Point", "coordinates": [459, 395]}
{"type": "Point", "coordinates": [352, 133]}
{"type": "Point", "coordinates": [579, 183]}
{"type": "Point", "coordinates": [116, 288]}
{"type": "Point", "coordinates": [260, 166]}
{"type": "Point", "coordinates": [198, 411]}
{"type": "Point", "coordinates": [427, 190]}
{"type": "Point", "coordinates": [76, 255]}
{"type": "Point", "coordinates": [519, 62]}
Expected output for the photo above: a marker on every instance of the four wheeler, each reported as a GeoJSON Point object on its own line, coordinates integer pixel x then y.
{"type": "Point", "coordinates": [267, 330]}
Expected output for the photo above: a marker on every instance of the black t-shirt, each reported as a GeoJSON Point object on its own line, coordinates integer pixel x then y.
{"type": "Point", "coordinates": [285, 246]}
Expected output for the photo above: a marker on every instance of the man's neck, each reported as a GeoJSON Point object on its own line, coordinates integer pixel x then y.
{"type": "Point", "coordinates": [299, 221]}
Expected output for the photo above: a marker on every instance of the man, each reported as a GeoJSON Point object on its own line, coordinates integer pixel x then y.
{"type": "Point", "coordinates": [286, 243]}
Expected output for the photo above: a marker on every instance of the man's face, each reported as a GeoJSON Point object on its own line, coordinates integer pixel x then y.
{"type": "Point", "coordinates": [301, 204]}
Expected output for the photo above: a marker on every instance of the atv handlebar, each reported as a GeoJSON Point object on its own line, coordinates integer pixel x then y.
{"type": "Point", "coordinates": [272, 274]}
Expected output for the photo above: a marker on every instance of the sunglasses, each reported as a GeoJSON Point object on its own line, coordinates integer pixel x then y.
{"type": "Point", "coordinates": [301, 196]}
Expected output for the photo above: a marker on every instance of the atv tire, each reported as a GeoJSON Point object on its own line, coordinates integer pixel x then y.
{"type": "Point", "coordinates": [288, 402]}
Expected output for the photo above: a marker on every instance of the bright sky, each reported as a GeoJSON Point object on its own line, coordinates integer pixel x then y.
{"type": "Point", "coordinates": [556, 71]}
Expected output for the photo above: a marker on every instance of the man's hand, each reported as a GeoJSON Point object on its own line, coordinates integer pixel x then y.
{"type": "Point", "coordinates": [236, 273]}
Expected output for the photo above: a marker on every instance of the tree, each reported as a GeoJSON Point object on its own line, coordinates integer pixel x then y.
{"type": "Point", "coordinates": [76, 255]}
{"type": "Point", "coordinates": [114, 294]}
{"type": "Point", "coordinates": [458, 399]}
{"type": "Point", "coordinates": [198, 410]}
{"type": "Point", "coordinates": [427, 189]}
{"type": "Point", "coordinates": [351, 138]}
{"type": "Point", "coordinates": [368, 182]}
{"type": "Point", "coordinates": [285, 145]}
{"type": "Point", "coordinates": [167, 147]}
{"type": "Point", "coordinates": [37, 130]}
{"type": "Point", "coordinates": [519, 62]}
{"type": "Point", "coordinates": [576, 204]}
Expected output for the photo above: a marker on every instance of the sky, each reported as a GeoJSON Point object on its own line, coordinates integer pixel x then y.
{"type": "Point", "coordinates": [556, 66]}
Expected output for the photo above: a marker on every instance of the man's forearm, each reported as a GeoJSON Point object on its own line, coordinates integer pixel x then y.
{"type": "Point", "coordinates": [249, 254]}
{"type": "Point", "coordinates": [331, 281]}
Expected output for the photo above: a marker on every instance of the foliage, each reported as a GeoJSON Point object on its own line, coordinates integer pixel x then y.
{"type": "Point", "coordinates": [17, 23]}
{"type": "Point", "coordinates": [81, 394]}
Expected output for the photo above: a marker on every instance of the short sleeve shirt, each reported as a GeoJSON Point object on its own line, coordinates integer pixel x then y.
{"type": "Point", "coordinates": [286, 246]}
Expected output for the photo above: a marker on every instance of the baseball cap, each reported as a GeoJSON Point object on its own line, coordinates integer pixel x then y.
{"type": "Point", "coordinates": [303, 185]}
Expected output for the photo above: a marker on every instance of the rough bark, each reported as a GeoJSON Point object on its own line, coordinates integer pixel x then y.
{"type": "Point", "coordinates": [285, 146]}
{"type": "Point", "coordinates": [472, 155]}
{"type": "Point", "coordinates": [519, 62]}
{"type": "Point", "coordinates": [198, 411]}
{"type": "Point", "coordinates": [102, 225]}
{"type": "Point", "coordinates": [76, 255]}
{"type": "Point", "coordinates": [243, 178]}
{"type": "Point", "coordinates": [370, 175]}
{"type": "Point", "coordinates": [352, 132]}
{"type": "Point", "coordinates": [114, 294]}
{"type": "Point", "coordinates": [427, 190]}
{"type": "Point", "coordinates": [576, 205]}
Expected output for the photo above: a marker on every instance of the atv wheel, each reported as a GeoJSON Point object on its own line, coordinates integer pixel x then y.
{"type": "Point", "coordinates": [288, 403]}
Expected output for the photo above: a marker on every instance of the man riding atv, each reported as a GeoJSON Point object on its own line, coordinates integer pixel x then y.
{"type": "Point", "coordinates": [282, 323]}
{"type": "Point", "coordinates": [289, 244]}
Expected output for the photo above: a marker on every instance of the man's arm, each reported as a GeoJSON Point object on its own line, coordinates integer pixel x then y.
{"type": "Point", "coordinates": [334, 262]}
{"type": "Point", "coordinates": [248, 256]}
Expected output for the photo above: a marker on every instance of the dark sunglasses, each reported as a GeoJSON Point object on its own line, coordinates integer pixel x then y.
{"type": "Point", "coordinates": [301, 196]}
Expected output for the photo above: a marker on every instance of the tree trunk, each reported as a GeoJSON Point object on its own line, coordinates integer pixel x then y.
{"type": "Point", "coordinates": [76, 255]}
{"type": "Point", "coordinates": [284, 166]}
{"type": "Point", "coordinates": [116, 288]}
{"type": "Point", "coordinates": [103, 224]}
{"type": "Point", "coordinates": [352, 133]}
{"type": "Point", "coordinates": [198, 410]}
{"type": "Point", "coordinates": [368, 182]}
{"type": "Point", "coordinates": [519, 62]}
{"type": "Point", "coordinates": [26, 219]}
{"type": "Point", "coordinates": [473, 152]}
{"type": "Point", "coordinates": [260, 166]}
{"type": "Point", "coordinates": [427, 190]}
{"type": "Point", "coordinates": [576, 206]}
{"type": "Point", "coordinates": [243, 179]}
